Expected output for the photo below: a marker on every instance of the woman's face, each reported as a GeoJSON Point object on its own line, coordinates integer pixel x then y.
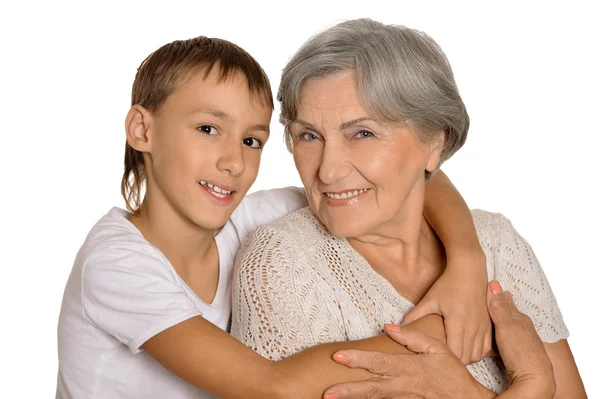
{"type": "Point", "coordinates": [361, 176]}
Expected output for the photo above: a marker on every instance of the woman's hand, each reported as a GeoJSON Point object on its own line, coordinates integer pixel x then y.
{"type": "Point", "coordinates": [459, 295]}
{"type": "Point", "coordinates": [522, 350]}
{"type": "Point", "coordinates": [436, 372]}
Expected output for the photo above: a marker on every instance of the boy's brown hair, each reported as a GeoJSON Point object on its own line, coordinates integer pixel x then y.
{"type": "Point", "coordinates": [169, 66]}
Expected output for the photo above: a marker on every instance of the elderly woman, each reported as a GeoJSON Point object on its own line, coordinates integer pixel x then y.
{"type": "Point", "coordinates": [370, 112]}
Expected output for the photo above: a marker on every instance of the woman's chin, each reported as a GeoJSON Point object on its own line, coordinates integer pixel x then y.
{"type": "Point", "coordinates": [345, 228]}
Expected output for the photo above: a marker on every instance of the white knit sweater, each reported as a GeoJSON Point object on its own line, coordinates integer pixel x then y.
{"type": "Point", "coordinates": [296, 286]}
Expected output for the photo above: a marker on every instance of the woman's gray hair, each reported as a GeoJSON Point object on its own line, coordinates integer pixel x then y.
{"type": "Point", "coordinates": [403, 77]}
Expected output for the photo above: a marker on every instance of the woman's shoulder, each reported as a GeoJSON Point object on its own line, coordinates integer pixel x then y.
{"type": "Point", "coordinates": [499, 240]}
{"type": "Point", "coordinates": [491, 226]}
{"type": "Point", "coordinates": [298, 233]}
{"type": "Point", "coordinates": [300, 225]}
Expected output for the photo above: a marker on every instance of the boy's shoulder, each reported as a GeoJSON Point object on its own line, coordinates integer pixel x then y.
{"type": "Point", "coordinates": [113, 230]}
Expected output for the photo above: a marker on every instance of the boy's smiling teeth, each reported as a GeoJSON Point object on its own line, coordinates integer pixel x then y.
{"type": "Point", "coordinates": [346, 195]}
{"type": "Point", "coordinates": [215, 190]}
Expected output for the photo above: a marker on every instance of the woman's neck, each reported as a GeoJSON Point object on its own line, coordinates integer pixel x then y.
{"type": "Point", "coordinates": [405, 251]}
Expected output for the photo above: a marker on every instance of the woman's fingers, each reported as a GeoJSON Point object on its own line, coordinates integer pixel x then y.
{"type": "Point", "coordinates": [375, 388]}
{"type": "Point", "coordinates": [384, 364]}
{"type": "Point", "coordinates": [434, 372]}
{"type": "Point", "coordinates": [375, 362]}
{"type": "Point", "coordinates": [521, 348]}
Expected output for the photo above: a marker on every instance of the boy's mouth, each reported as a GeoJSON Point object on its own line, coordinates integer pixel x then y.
{"type": "Point", "coordinates": [215, 190]}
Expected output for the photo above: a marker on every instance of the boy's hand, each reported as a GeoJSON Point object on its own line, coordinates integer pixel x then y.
{"type": "Point", "coordinates": [459, 295]}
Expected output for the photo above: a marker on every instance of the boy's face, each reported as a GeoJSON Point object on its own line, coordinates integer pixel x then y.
{"type": "Point", "coordinates": [207, 140]}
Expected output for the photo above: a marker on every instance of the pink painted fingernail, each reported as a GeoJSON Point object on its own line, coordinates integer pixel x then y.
{"type": "Point", "coordinates": [495, 287]}
{"type": "Point", "coordinates": [340, 357]}
{"type": "Point", "coordinates": [331, 396]}
{"type": "Point", "coordinates": [392, 327]}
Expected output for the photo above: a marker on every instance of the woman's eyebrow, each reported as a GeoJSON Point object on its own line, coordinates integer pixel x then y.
{"type": "Point", "coordinates": [355, 121]}
{"type": "Point", "coordinates": [342, 126]}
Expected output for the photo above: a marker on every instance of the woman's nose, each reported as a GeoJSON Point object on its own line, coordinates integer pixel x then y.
{"type": "Point", "coordinates": [335, 163]}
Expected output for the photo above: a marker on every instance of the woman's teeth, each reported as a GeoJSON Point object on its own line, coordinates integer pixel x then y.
{"type": "Point", "coordinates": [347, 195]}
{"type": "Point", "coordinates": [216, 190]}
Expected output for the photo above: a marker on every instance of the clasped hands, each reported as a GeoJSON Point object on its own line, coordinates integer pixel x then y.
{"type": "Point", "coordinates": [436, 372]}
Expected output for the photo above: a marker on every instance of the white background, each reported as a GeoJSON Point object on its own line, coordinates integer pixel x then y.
{"type": "Point", "coordinates": [527, 72]}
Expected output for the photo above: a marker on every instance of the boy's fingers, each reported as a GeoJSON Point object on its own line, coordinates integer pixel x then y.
{"type": "Point", "coordinates": [470, 341]}
{"type": "Point", "coordinates": [415, 340]}
{"type": "Point", "coordinates": [478, 348]}
{"type": "Point", "coordinates": [454, 337]}
{"type": "Point", "coordinates": [421, 309]}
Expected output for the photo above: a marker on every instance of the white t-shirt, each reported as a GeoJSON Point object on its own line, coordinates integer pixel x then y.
{"type": "Point", "coordinates": [122, 291]}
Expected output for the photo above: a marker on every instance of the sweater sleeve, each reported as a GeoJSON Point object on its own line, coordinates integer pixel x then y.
{"type": "Point", "coordinates": [519, 272]}
{"type": "Point", "coordinates": [279, 307]}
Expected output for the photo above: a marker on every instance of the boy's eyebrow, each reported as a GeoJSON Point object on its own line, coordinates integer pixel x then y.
{"type": "Point", "coordinates": [225, 116]}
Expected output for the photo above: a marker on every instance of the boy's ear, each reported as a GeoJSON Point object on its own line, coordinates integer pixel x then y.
{"type": "Point", "coordinates": [137, 127]}
{"type": "Point", "coordinates": [435, 152]}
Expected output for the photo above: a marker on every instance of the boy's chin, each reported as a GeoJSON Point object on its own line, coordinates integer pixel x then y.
{"type": "Point", "coordinates": [213, 221]}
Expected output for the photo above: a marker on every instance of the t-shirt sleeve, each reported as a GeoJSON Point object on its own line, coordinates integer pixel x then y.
{"type": "Point", "coordinates": [132, 294]}
{"type": "Point", "coordinates": [518, 271]}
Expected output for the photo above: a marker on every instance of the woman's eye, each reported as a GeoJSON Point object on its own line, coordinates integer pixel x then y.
{"type": "Point", "coordinates": [208, 129]}
{"type": "Point", "coordinates": [252, 142]}
{"type": "Point", "coordinates": [308, 136]}
{"type": "Point", "coordinates": [364, 134]}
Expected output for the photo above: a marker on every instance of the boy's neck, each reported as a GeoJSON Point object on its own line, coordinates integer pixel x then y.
{"type": "Point", "coordinates": [184, 243]}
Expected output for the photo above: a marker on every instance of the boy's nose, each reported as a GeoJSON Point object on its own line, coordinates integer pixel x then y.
{"type": "Point", "coordinates": [232, 159]}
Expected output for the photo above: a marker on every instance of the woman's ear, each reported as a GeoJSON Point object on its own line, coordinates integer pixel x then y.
{"type": "Point", "coordinates": [137, 128]}
{"type": "Point", "coordinates": [436, 148]}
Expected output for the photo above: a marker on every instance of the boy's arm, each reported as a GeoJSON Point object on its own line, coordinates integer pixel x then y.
{"type": "Point", "coordinates": [459, 295]}
{"type": "Point", "coordinates": [204, 355]}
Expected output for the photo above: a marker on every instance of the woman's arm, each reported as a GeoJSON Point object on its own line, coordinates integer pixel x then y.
{"type": "Point", "coordinates": [460, 293]}
{"type": "Point", "coordinates": [518, 270]}
{"type": "Point", "coordinates": [568, 381]}
{"type": "Point", "coordinates": [202, 354]}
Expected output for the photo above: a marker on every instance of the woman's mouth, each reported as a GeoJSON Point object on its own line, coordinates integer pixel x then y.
{"type": "Point", "coordinates": [346, 194]}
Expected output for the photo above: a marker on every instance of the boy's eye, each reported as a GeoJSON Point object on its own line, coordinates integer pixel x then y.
{"type": "Point", "coordinates": [252, 142]}
{"type": "Point", "coordinates": [364, 134]}
{"type": "Point", "coordinates": [207, 129]}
